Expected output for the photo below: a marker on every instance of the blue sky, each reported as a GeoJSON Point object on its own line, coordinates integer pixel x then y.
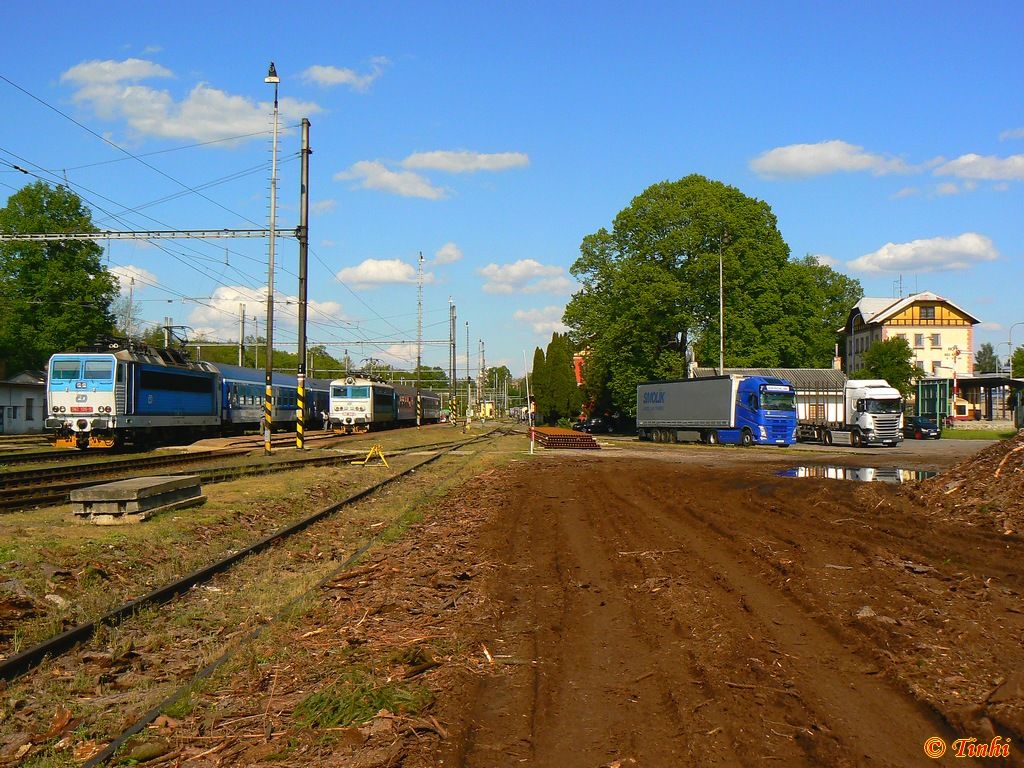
{"type": "Point", "coordinates": [887, 138]}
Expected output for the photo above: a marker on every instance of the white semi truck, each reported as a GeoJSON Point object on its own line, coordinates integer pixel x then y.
{"type": "Point", "coordinates": [863, 412]}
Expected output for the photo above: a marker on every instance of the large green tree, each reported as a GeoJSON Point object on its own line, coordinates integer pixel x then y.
{"type": "Point", "coordinates": [540, 389]}
{"type": "Point", "coordinates": [650, 295]}
{"type": "Point", "coordinates": [565, 397]}
{"type": "Point", "coordinates": [985, 359]}
{"type": "Point", "coordinates": [53, 295]}
{"type": "Point", "coordinates": [892, 360]}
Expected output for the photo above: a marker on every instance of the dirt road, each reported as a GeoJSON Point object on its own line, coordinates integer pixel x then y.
{"type": "Point", "coordinates": [677, 606]}
{"type": "Point", "coordinates": [670, 614]}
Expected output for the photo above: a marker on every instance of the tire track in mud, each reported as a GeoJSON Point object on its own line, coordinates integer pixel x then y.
{"type": "Point", "coordinates": [658, 638]}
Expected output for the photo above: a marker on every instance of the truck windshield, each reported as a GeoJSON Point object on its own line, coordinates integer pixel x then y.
{"type": "Point", "coordinates": [883, 406]}
{"type": "Point", "coordinates": [778, 401]}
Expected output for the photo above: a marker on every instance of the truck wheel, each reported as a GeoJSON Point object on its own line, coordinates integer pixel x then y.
{"type": "Point", "coordinates": [856, 440]}
{"type": "Point", "coordinates": [746, 439]}
{"type": "Point", "coordinates": [826, 437]}
{"type": "Point", "coordinates": [712, 438]}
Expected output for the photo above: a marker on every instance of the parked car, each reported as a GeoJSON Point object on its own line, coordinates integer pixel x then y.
{"type": "Point", "coordinates": [598, 425]}
{"type": "Point", "coordinates": [921, 428]}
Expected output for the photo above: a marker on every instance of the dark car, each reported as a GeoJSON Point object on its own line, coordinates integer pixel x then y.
{"type": "Point", "coordinates": [921, 428]}
{"type": "Point", "coordinates": [598, 425]}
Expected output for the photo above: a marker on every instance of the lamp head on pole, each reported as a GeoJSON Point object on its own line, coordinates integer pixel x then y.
{"type": "Point", "coordinates": [272, 75]}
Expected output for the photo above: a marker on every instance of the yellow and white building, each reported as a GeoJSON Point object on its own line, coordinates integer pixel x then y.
{"type": "Point", "coordinates": [940, 334]}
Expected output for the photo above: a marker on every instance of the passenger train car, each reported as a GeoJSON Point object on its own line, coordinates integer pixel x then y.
{"type": "Point", "coordinates": [114, 394]}
{"type": "Point", "coordinates": [360, 404]}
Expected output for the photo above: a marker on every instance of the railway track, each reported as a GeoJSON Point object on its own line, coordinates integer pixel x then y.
{"type": "Point", "coordinates": [64, 643]}
{"type": "Point", "coordinates": [28, 488]}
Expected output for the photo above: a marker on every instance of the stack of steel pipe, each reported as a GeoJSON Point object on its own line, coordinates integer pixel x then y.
{"type": "Point", "coordinates": [554, 437]}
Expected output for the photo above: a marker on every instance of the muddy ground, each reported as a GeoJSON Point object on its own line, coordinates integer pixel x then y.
{"type": "Point", "coordinates": [654, 606]}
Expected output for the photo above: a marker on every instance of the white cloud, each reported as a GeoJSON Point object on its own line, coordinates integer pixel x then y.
{"type": "Point", "coordinates": [112, 90]}
{"type": "Point", "coordinates": [825, 260]}
{"type": "Point", "coordinates": [143, 277]}
{"type": "Point", "coordinates": [990, 326]}
{"type": "Point", "coordinates": [947, 188]}
{"type": "Point", "coordinates": [321, 207]}
{"type": "Point", "coordinates": [542, 321]}
{"type": "Point", "coordinates": [524, 276]}
{"type": "Point", "coordinates": [218, 316]}
{"type": "Point", "coordinates": [464, 161]}
{"type": "Point", "coordinates": [376, 272]}
{"type": "Point", "coordinates": [400, 355]}
{"type": "Point", "coordinates": [328, 76]}
{"type": "Point", "coordinates": [1013, 133]}
{"type": "Point", "coordinates": [989, 167]}
{"type": "Point", "coordinates": [801, 160]}
{"type": "Point", "coordinates": [373, 174]}
{"type": "Point", "coordinates": [448, 253]}
{"type": "Point", "coordinates": [94, 73]}
{"type": "Point", "coordinates": [907, 192]}
{"type": "Point", "coordinates": [936, 254]}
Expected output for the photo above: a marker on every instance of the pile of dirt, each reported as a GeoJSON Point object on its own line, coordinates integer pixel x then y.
{"type": "Point", "coordinates": [986, 490]}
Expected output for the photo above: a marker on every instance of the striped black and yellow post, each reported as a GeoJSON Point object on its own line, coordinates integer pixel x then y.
{"type": "Point", "coordinates": [300, 413]}
{"type": "Point", "coordinates": [419, 410]}
{"type": "Point", "coordinates": [268, 417]}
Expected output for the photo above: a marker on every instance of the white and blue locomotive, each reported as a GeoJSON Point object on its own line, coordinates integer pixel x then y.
{"type": "Point", "coordinates": [360, 404]}
{"type": "Point", "coordinates": [105, 397]}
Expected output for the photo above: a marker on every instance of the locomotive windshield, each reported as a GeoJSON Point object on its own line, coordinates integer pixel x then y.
{"type": "Point", "coordinates": [359, 392]}
{"type": "Point", "coordinates": [99, 369]}
{"type": "Point", "coordinates": [65, 370]}
{"type": "Point", "coordinates": [778, 401]}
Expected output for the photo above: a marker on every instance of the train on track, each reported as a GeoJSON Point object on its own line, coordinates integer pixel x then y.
{"type": "Point", "coordinates": [360, 404]}
{"type": "Point", "coordinates": [118, 394]}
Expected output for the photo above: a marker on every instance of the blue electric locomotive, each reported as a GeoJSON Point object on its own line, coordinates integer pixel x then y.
{"type": "Point", "coordinates": [104, 397]}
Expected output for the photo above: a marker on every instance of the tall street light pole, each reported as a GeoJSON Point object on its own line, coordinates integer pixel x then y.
{"type": "Point", "coordinates": [721, 310]}
{"type": "Point", "coordinates": [1010, 351]}
{"type": "Point", "coordinates": [268, 395]}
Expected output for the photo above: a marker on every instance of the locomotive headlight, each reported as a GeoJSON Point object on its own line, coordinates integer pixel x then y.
{"type": "Point", "coordinates": [55, 409]}
{"type": "Point", "coordinates": [62, 409]}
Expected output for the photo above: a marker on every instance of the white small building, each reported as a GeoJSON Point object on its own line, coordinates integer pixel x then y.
{"type": "Point", "coordinates": [23, 403]}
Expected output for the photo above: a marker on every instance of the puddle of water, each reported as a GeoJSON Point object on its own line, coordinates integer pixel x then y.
{"type": "Point", "coordinates": [859, 474]}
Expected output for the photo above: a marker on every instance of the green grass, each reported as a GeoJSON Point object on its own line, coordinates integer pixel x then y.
{"type": "Point", "coordinates": [357, 697]}
{"type": "Point", "coordinates": [957, 433]}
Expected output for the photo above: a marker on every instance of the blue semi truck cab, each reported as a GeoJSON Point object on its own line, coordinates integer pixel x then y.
{"type": "Point", "coordinates": [743, 410]}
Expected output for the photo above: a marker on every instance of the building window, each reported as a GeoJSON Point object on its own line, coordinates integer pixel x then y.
{"type": "Point", "coordinates": [927, 313]}
{"type": "Point", "coordinates": [935, 367]}
{"type": "Point", "coordinates": [920, 365]}
{"type": "Point", "coordinates": [901, 336]}
{"type": "Point", "coordinates": [936, 340]}
{"type": "Point", "coordinates": [919, 340]}
{"type": "Point", "coordinates": [12, 412]}
{"type": "Point", "coordinates": [29, 407]}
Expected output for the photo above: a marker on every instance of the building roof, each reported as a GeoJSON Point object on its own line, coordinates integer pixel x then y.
{"type": "Point", "coordinates": [869, 308]}
{"type": "Point", "coordinates": [800, 378]}
{"type": "Point", "coordinates": [31, 378]}
{"type": "Point", "coordinates": [875, 310]}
